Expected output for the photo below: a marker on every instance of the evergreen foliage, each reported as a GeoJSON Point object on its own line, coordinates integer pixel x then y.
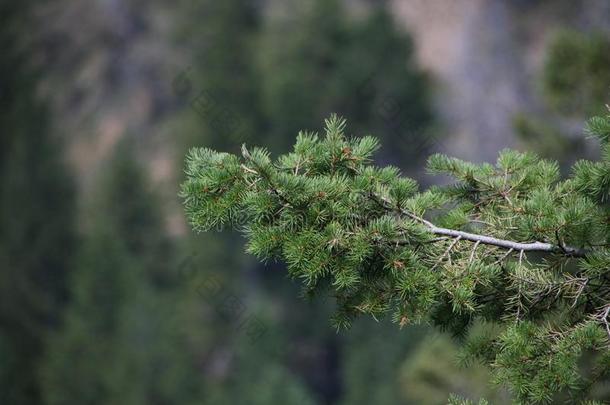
{"type": "Point", "coordinates": [509, 244]}
{"type": "Point", "coordinates": [222, 84]}
{"type": "Point", "coordinates": [576, 72]}
{"type": "Point", "coordinates": [118, 342]}
{"type": "Point", "coordinates": [36, 214]}
{"type": "Point", "coordinates": [575, 81]}
{"type": "Point", "coordinates": [434, 372]}
{"type": "Point", "coordinates": [363, 68]}
{"type": "Point", "coordinates": [373, 354]}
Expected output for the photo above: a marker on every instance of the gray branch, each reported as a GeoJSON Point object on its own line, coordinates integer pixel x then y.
{"type": "Point", "coordinates": [489, 240]}
{"type": "Point", "coordinates": [508, 244]}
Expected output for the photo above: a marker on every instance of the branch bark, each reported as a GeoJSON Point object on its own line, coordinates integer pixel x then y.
{"type": "Point", "coordinates": [509, 244]}
{"type": "Point", "coordinates": [488, 240]}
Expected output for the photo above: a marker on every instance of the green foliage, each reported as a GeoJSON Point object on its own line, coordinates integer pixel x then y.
{"type": "Point", "coordinates": [576, 73]}
{"type": "Point", "coordinates": [221, 85]}
{"type": "Point", "coordinates": [575, 83]}
{"type": "Point", "coordinates": [593, 178]}
{"type": "Point", "coordinates": [271, 384]}
{"type": "Point", "coordinates": [433, 373]}
{"type": "Point", "coordinates": [547, 138]}
{"type": "Point", "coordinates": [371, 355]}
{"type": "Point", "coordinates": [36, 214]}
{"type": "Point", "coordinates": [324, 61]}
{"type": "Point", "coordinates": [525, 251]}
{"type": "Point", "coordinates": [117, 343]}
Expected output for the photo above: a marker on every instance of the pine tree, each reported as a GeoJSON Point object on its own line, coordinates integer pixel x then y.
{"type": "Point", "coordinates": [220, 85]}
{"type": "Point", "coordinates": [36, 214]}
{"type": "Point", "coordinates": [323, 61]}
{"type": "Point", "coordinates": [434, 372]}
{"type": "Point", "coordinates": [121, 340]}
{"type": "Point", "coordinates": [508, 244]}
{"type": "Point", "coordinates": [575, 81]}
{"type": "Point", "coordinates": [373, 354]}
{"type": "Point", "coordinates": [575, 74]}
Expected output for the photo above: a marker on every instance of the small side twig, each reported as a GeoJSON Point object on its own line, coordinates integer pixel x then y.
{"type": "Point", "coordinates": [474, 248]}
{"type": "Point", "coordinates": [448, 251]}
{"type": "Point", "coordinates": [603, 318]}
{"type": "Point", "coordinates": [504, 256]}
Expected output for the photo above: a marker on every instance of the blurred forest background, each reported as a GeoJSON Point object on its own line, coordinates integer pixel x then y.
{"type": "Point", "coordinates": [106, 296]}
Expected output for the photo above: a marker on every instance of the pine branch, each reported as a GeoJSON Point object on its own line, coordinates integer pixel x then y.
{"type": "Point", "coordinates": [344, 222]}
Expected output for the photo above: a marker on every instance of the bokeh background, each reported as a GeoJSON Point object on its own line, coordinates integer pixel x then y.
{"type": "Point", "coordinates": [107, 297]}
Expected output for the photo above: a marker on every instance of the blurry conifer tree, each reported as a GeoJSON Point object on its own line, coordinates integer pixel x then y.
{"type": "Point", "coordinates": [36, 212]}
